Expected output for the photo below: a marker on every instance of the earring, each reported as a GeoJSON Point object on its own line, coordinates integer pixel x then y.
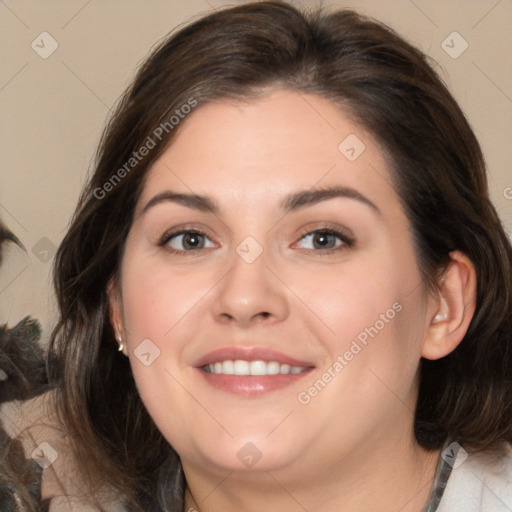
{"type": "Point", "coordinates": [121, 344]}
{"type": "Point", "coordinates": [439, 317]}
{"type": "Point", "coordinates": [442, 316]}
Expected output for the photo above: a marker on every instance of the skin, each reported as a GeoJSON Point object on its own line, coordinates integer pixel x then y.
{"type": "Point", "coordinates": [353, 443]}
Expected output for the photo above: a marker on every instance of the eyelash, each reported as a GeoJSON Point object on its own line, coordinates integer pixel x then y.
{"type": "Point", "coordinates": [347, 242]}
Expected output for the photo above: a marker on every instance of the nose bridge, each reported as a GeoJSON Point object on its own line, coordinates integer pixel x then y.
{"type": "Point", "coordinates": [250, 291]}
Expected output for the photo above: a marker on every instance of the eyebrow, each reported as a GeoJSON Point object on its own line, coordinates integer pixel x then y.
{"type": "Point", "coordinates": [291, 202]}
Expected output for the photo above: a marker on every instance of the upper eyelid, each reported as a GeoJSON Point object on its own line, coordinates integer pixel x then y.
{"type": "Point", "coordinates": [172, 233]}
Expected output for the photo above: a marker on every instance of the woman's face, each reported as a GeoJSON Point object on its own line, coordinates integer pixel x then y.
{"type": "Point", "coordinates": [318, 291]}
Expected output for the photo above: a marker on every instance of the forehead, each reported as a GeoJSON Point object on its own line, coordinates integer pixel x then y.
{"type": "Point", "coordinates": [284, 141]}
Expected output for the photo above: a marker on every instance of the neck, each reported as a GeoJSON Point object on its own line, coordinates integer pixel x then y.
{"type": "Point", "coordinates": [398, 477]}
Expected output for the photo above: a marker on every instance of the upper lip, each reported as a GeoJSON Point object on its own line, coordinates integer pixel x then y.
{"type": "Point", "coordinates": [249, 354]}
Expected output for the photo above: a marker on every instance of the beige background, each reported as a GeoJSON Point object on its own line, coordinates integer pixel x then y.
{"type": "Point", "coordinates": [53, 109]}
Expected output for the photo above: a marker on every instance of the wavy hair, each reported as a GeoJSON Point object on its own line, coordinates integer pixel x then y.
{"type": "Point", "coordinates": [387, 86]}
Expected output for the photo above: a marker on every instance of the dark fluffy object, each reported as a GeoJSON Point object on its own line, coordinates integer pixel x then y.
{"type": "Point", "coordinates": [22, 376]}
{"type": "Point", "coordinates": [20, 479]}
{"type": "Point", "coordinates": [22, 364]}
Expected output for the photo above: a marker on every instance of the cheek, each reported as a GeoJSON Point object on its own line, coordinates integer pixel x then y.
{"type": "Point", "coordinates": [162, 307]}
{"type": "Point", "coordinates": [373, 314]}
{"type": "Point", "coordinates": [157, 305]}
{"type": "Point", "coordinates": [350, 303]}
{"type": "Point", "coordinates": [156, 299]}
{"type": "Point", "coordinates": [372, 360]}
{"type": "Point", "coordinates": [166, 400]}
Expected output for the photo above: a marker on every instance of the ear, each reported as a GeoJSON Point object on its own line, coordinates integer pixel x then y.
{"type": "Point", "coordinates": [452, 310]}
{"type": "Point", "coordinates": [116, 313]}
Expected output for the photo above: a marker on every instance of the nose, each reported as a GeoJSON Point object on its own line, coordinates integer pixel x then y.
{"type": "Point", "coordinates": [250, 293]}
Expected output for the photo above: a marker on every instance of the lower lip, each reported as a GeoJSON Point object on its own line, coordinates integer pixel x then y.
{"type": "Point", "coordinates": [252, 385]}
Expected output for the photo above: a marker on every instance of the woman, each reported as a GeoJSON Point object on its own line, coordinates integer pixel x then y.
{"type": "Point", "coordinates": [288, 235]}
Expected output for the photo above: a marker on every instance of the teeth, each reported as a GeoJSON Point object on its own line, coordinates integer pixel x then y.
{"type": "Point", "coordinates": [241, 367]}
{"type": "Point", "coordinates": [228, 367]}
{"type": "Point", "coordinates": [257, 368]}
{"type": "Point", "coordinates": [273, 368]}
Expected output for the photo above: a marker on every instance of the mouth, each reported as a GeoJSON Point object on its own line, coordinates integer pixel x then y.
{"type": "Point", "coordinates": [251, 371]}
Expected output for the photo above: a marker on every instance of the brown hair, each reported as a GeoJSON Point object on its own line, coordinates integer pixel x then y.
{"type": "Point", "coordinates": [385, 84]}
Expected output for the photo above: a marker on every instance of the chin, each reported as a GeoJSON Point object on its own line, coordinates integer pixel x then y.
{"type": "Point", "coordinates": [250, 454]}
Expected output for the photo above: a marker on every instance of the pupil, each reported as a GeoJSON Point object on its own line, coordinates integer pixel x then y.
{"type": "Point", "coordinates": [322, 239]}
{"type": "Point", "coordinates": [191, 236]}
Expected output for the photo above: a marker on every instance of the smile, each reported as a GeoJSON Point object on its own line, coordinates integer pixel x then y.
{"type": "Point", "coordinates": [251, 371]}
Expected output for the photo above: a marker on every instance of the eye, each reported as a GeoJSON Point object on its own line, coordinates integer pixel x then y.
{"type": "Point", "coordinates": [185, 240]}
{"type": "Point", "coordinates": [326, 241]}
{"type": "Point", "coordinates": [323, 241]}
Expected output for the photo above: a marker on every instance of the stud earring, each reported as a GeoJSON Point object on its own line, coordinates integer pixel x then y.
{"type": "Point", "coordinates": [121, 344]}
{"type": "Point", "coordinates": [439, 317]}
{"type": "Point", "coordinates": [442, 316]}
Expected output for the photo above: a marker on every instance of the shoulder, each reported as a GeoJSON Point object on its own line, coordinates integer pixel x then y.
{"type": "Point", "coordinates": [480, 482]}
